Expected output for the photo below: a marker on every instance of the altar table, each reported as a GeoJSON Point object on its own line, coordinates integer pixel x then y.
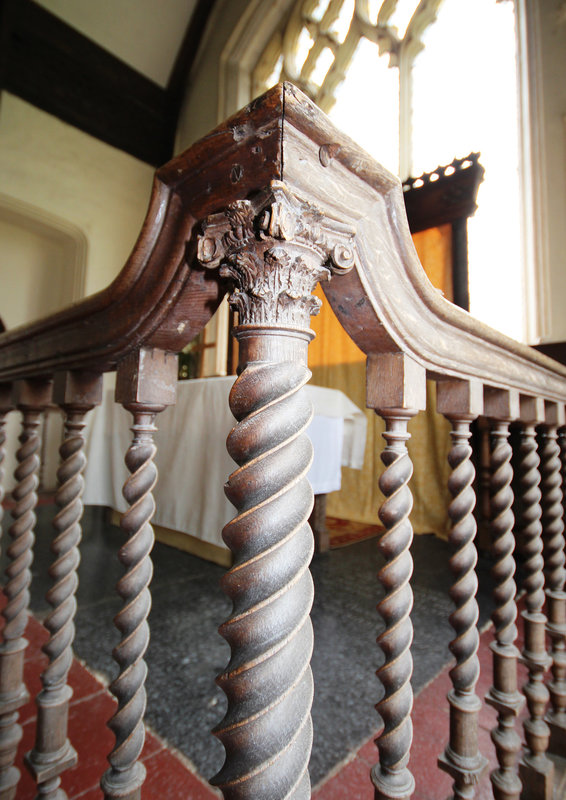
{"type": "Point", "coordinates": [193, 462]}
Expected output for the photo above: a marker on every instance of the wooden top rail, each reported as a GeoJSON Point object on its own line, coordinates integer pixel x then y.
{"type": "Point", "coordinates": [280, 146]}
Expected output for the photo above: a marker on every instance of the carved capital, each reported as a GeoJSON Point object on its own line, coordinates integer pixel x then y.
{"type": "Point", "coordinates": [276, 248]}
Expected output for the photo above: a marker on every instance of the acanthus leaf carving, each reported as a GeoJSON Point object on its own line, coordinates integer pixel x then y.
{"type": "Point", "coordinates": [276, 248]}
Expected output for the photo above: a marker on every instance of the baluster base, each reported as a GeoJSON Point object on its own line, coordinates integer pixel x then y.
{"type": "Point", "coordinates": [53, 765]}
{"type": "Point", "coordinates": [392, 786]}
{"type": "Point", "coordinates": [465, 769]}
{"type": "Point", "coordinates": [13, 692]}
{"type": "Point", "coordinates": [506, 786]}
{"type": "Point", "coordinates": [10, 735]}
{"type": "Point", "coordinates": [123, 786]}
{"type": "Point", "coordinates": [466, 772]}
{"type": "Point", "coordinates": [556, 627]}
{"type": "Point", "coordinates": [53, 753]}
{"type": "Point", "coordinates": [9, 783]}
{"type": "Point", "coordinates": [537, 777]}
{"type": "Point", "coordinates": [557, 743]}
{"type": "Point", "coordinates": [58, 762]}
{"type": "Point", "coordinates": [13, 695]}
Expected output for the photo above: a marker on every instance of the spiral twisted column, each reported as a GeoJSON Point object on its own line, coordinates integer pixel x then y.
{"type": "Point", "coordinates": [53, 753]}
{"type": "Point", "coordinates": [32, 398]}
{"type": "Point", "coordinates": [503, 695]}
{"type": "Point", "coordinates": [535, 769]}
{"type": "Point", "coordinates": [555, 574]}
{"type": "Point", "coordinates": [6, 406]}
{"type": "Point", "coordinates": [462, 759]}
{"type": "Point", "coordinates": [562, 446]}
{"type": "Point", "coordinates": [274, 249]}
{"type": "Point", "coordinates": [145, 385]}
{"type": "Point", "coordinates": [126, 774]}
{"type": "Point", "coordinates": [267, 732]}
{"type": "Point", "coordinates": [391, 777]}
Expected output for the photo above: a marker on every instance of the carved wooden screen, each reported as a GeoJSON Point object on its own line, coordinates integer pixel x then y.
{"type": "Point", "coordinates": [438, 205]}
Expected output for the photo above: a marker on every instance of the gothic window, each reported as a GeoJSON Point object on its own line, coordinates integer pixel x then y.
{"type": "Point", "coordinates": [418, 84]}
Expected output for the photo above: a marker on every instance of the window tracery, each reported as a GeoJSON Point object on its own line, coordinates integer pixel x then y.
{"type": "Point", "coordinates": [315, 45]}
{"type": "Point", "coordinates": [398, 77]}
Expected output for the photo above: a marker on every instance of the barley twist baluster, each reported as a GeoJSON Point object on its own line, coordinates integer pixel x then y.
{"type": "Point", "coordinates": [503, 695]}
{"type": "Point", "coordinates": [562, 445]}
{"type": "Point", "coordinates": [555, 573]}
{"type": "Point", "coordinates": [391, 777]}
{"type": "Point", "coordinates": [6, 406]}
{"type": "Point", "coordinates": [126, 772]}
{"type": "Point", "coordinates": [32, 399]}
{"type": "Point", "coordinates": [535, 769]}
{"type": "Point", "coordinates": [53, 754]}
{"type": "Point", "coordinates": [274, 249]}
{"type": "Point", "coordinates": [267, 730]}
{"type": "Point", "coordinates": [462, 758]}
{"type": "Point", "coordinates": [145, 385]}
{"type": "Point", "coordinates": [6, 742]}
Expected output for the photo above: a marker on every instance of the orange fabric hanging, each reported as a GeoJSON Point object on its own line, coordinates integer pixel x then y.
{"type": "Point", "coordinates": [434, 248]}
{"type": "Point", "coordinates": [332, 344]}
{"type": "Point", "coordinates": [338, 363]}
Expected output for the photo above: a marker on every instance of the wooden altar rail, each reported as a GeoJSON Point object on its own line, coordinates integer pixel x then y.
{"type": "Point", "coordinates": [270, 203]}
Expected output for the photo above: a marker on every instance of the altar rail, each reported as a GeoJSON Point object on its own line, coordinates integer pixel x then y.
{"type": "Point", "coordinates": [270, 203]}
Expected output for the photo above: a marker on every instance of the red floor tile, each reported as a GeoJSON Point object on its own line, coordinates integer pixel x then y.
{"type": "Point", "coordinates": [169, 776]}
{"type": "Point", "coordinates": [36, 635]}
{"type": "Point", "coordinates": [92, 741]}
{"type": "Point", "coordinates": [82, 682]}
{"type": "Point", "coordinates": [368, 753]}
{"type": "Point", "coordinates": [352, 782]}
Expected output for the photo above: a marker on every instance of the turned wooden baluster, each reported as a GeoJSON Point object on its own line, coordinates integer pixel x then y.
{"type": "Point", "coordinates": [535, 769]}
{"type": "Point", "coordinates": [145, 384]}
{"type": "Point", "coordinates": [274, 249]}
{"type": "Point", "coordinates": [8, 774]}
{"type": "Point", "coordinates": [503, 407]}
{"type": "Point", "coordinates": [76, 393]}
{"type": "Point", "coordinates": [31, 398]}
{"type": "Point", "coordinates": [562, 446]}
{"type": "Point", "coordinates": [461, 402]}
{"type": "Point", "coordinates": [555, 573]}
{"type": "Point", "coordinates": [6, 405]}
{"type": "Point", "coordinates": [396, 388]}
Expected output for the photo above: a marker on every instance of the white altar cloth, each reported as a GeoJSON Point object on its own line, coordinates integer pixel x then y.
{"type": "Point", "coordinates": [192, 459]}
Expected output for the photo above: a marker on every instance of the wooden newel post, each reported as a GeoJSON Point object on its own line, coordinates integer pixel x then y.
{"type": "Point", "coordinates": [502, 407]}
{"type": "Point", "coordinates": [76, 393]}
{"type": "Point", "coordinates": [146, 384]}
{"type": "Point", "coordinates": [462, 402]}
{"type": "Point", "coordinates": [555, 572]}
{"type": "Point", "coordinates": [31, 398]}
{"type": "Point", "coordinates": [275, 248]}
{"type": "Point", "coordinates": [396, 389]}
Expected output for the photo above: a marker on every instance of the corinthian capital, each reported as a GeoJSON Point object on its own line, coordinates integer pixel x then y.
{"type": "Point", "coordinates": [276, 247]}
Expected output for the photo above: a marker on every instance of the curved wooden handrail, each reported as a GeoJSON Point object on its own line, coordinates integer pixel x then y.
{"type": "Point", "coordinates": [387, 303]}
{"type": "Point", "coordinates": [163, 297]}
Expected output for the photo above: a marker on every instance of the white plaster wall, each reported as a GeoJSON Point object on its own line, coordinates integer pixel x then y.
{"type": "Point", "coordinates": [552, 64]}
{"type": "Point", "coordinates": [200, 112]}
{"type": "Point", "coordinates": [58, 172]}
{"type": "Point", "coordinates": [32, 274]}
{"type": "Point", "coordinates": [56, 168]}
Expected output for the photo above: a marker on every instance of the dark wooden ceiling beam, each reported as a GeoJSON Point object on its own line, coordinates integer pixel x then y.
{"type": "Point", "coordinates": [51, 65]}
